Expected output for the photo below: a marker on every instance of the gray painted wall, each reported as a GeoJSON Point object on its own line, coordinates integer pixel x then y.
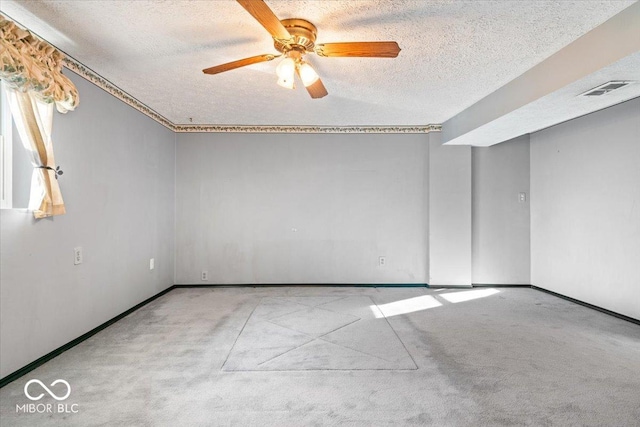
{"type": "Point", "coordinates": [118, 187]}
{"type": "Point", "coordinates": [585, 208]}
{"type": "Point", "coordinates": [351, 198]}
{"type": "Point", "coordinates": [501, 223]}
{"type": "Point", "coordinates": [22, 172]}
{"type": "Point", "coordinates": [449, 213]}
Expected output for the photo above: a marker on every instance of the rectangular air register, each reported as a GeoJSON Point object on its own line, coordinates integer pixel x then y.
{"type": "Point", "coordinates": [606, 88]}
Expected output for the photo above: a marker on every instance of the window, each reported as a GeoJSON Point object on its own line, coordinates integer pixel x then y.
{"type": "Point", "coordinates": [6, 153]}
{"type": "Point", "coordinates": [15, 165]}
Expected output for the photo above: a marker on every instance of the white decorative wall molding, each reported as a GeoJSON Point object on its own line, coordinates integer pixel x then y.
{"type": "Point", "coordinates": [114, 90]}
{"type": "Point", "coordinates": [307, 129]}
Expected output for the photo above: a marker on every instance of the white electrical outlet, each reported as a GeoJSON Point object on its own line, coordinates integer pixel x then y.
{"type": "Point", "coordinates": [205, 275]}
{"type": "Point", "coordinates": [382, 261]}
{"type": "Point", "coordinates": [152, 263]}
{"type": "Point", "coordinates": [77, 255]}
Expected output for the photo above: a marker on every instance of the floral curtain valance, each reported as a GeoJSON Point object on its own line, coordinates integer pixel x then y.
{"type": "Point", "coordinates": [29, 64]}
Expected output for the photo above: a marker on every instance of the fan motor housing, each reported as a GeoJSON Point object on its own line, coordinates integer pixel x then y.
{"type": "Point", "coordinates": [303, 36]}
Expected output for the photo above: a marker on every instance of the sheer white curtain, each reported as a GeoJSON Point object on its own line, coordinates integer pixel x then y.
{"type": "Point", "coordinates": [34, 119]}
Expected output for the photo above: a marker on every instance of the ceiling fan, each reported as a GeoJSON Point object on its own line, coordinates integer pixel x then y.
{"type": "Point", "coordinates": [296, 37]}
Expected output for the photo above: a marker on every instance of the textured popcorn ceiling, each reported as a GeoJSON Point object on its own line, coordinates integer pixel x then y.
{"type": "Point", "coordinates": [453, 54]}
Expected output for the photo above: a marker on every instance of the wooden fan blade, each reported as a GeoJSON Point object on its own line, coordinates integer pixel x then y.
{"type": "Point", "coordinates": [265, 16]}
{"type": "Point", "coordinates": [359, 49]}
{"type": "Point", "coordinates": [239, 63]}
{"type": "Point", "coordinates": [317, 89]}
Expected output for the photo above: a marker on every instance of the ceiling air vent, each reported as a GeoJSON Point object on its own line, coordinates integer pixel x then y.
{"type": "Point", "coordinates": [606, 88]}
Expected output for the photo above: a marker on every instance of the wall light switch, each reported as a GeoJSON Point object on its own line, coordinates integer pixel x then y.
{"type": "Point", "coordinates": [77, 255]}
{"type": "Point", "coordinates": [522, 197]}
{"type": "Point", "coordinates": [152, 263]}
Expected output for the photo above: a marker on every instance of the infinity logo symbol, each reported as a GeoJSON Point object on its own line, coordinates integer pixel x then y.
{"type": "Point", "coordinates": [38, 397]}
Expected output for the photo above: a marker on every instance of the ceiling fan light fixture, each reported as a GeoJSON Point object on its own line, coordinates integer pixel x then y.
{"type": "Point", "coordinates": [296, 37]}
{"type": "Point", "coordinates": [307, 74]}
{"type": "Point", "coordinates": [286, 68]}
{"type": "Point", "coordinates": [285, 71]}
